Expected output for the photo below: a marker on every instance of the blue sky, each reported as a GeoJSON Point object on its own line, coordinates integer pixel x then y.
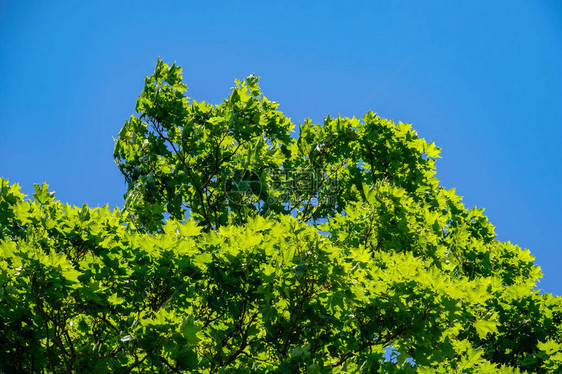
{"type": "Point", "coordinates": [481, 79]}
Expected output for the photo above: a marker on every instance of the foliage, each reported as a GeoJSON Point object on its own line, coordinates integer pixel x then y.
{"type": "Point", "coordinates": [245, 249]}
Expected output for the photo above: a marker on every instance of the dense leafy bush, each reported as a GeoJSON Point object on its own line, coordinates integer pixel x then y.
{"type": "Point", "coordinates": [242, 248]}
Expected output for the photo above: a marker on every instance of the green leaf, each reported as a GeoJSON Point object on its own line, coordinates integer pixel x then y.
{"type": "Point", "coordinates": [484, 327]}
{"type": "Point", "coordinates": [189, 329]}
{"type": "Point", "coordinates": [42, 194]}
{"type": "Point", "coordinates": [189, 228]}
{"type": "Point", "coordinates": [115, 300]}
{"type": "Point", "coordinates": [187, 359]}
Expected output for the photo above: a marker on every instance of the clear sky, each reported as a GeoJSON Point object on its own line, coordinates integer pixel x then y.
{"type": "Point", "coordinates": [481, 79]}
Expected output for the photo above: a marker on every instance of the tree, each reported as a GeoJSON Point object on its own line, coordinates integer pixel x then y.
{"type": "Point", "coordinates": [244, 247]}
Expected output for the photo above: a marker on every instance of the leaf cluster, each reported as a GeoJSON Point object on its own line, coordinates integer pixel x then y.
{"type": "Point", "coordinates": [342, 254]}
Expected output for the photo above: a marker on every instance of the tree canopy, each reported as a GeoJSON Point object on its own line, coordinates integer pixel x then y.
{"type": "Point", "coordinates": [247, 246]}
